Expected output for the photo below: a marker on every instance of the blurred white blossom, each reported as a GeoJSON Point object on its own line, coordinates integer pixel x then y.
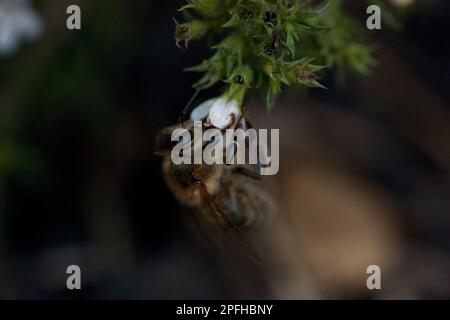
{"type": "Point", "coordinates": [18, 22]}
{"type": "Point", "coordinates": [222, 111]}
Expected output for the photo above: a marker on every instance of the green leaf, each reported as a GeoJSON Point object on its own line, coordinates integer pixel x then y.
{"type": "Point", "coordinates": [273, 91]}
{"type": "Point", "coordinates": [312, 83]}
{"type": "Point", "coordinates": [235, 20]}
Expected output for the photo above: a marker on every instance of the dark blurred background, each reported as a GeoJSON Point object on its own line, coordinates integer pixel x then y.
{"type": "Point", "coordinates": [364, 176]}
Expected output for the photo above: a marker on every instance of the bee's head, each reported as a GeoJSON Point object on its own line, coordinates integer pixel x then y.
{"type": "Point", "coordinates": [163, 142]}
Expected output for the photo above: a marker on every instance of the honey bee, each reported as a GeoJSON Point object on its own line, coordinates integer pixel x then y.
{"type": "Point", "coordinates": [225, 200]}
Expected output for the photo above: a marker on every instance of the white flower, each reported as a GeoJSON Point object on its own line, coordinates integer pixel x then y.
{"type": "Point", "coordinates": [18, 21]}
{"type": "Point", "coordinates": [221, 113]}
{"type": "Point", "coordinates": [218, 111]}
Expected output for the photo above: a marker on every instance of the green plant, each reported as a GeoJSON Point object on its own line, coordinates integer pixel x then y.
{"type": "Point", "coordinates": [265, 44]}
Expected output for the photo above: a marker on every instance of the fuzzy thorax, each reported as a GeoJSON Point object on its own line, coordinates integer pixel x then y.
{"type": "Point", "coordinates": [183, 180]}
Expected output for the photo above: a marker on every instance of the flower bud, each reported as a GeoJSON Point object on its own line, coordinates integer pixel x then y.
{"type": "Point", "coordinates": [241, 77]}
{"type": "Point", "coordinates": [299, 73]}
{"type": "Point", "coordinates": [305, 75]}
{"type": "Point", "coordinates": [268, 69]}
{"type": "Point", "coordinates": [206, 8]}
{"type": "Point", "coordinates": [185, 32]}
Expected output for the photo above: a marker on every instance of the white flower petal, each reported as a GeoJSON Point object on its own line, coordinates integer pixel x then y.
{"type": "Point", "coordinates": [29, 24]}
{"type": "Point", "coordinates": [18, 21]}
{"type": "Point", "coordinates": [202, 110]}
{"type": "Point", "coordinates": [8, 36]}
{"type": "Point", "coordinates": [221, 113]}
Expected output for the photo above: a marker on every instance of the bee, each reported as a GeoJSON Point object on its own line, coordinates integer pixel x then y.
{"type": "Point", "coordinates": [225, 200]}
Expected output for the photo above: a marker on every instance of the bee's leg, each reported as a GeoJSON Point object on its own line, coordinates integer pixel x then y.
{"type": "Point", "coordinates": [231, 124]}
{"type": "Point", "coordinates": [237, 121]}
{"type": "Point", "coordinates": [229, 154]}
{"type": "Point", "coordinates": [243, 114]}
{"type": "Point", "coordinates": [187, 107]}
{"type": "Point", "coordinates": [261, 166]}
{"type": "Point", "coordinates": [248, 173]}
{"type": "Point", "coordinates": [207, 125]}
{"type": "Point", "coordinates": [234, 122]}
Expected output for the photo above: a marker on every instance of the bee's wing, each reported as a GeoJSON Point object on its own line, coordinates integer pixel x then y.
{"type": "Point", "coordinates": [251, 206]}
{"type": "Point", "coordinates": [207, 230]}
{"type": "Point", "coordinates": [223, 229]}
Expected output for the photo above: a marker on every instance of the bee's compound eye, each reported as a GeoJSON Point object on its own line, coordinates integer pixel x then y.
{"type": "Point", "coordinates": [196, 180]}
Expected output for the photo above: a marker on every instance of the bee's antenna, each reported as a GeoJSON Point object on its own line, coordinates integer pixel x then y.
{"type": "Point", "coordinates": [243, 114]}
{"type": "Point", "coordinates": [186, 108]}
